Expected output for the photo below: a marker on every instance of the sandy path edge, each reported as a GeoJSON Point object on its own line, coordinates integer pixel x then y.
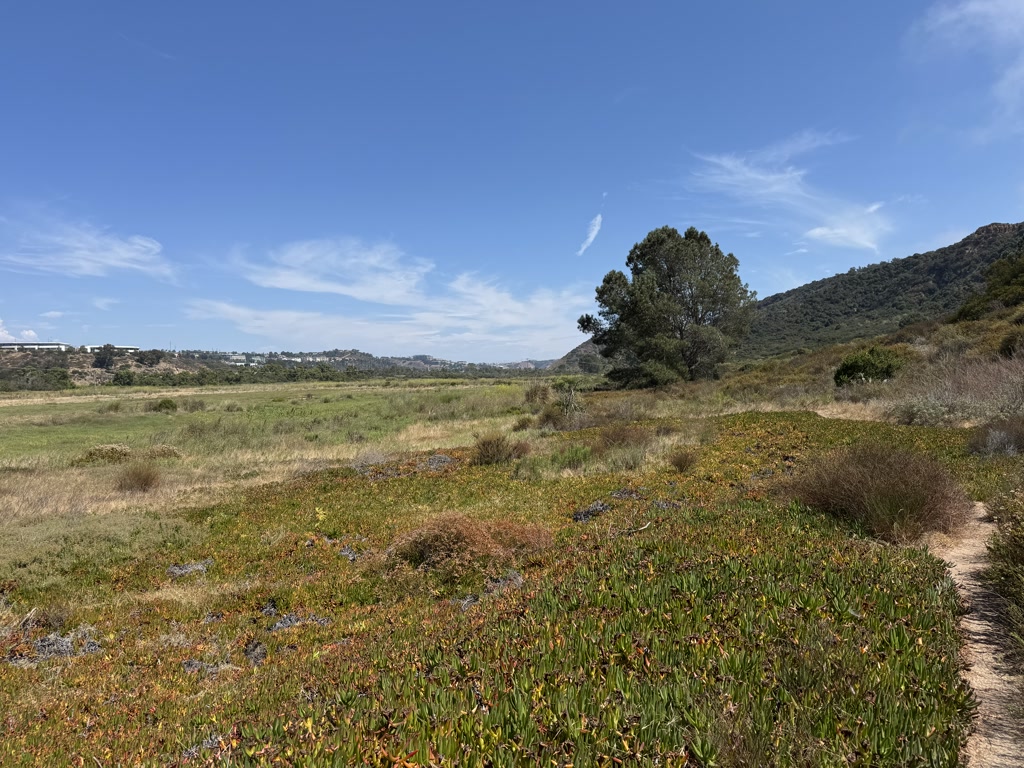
{"type": "Point", "coordinates": [997, 740]}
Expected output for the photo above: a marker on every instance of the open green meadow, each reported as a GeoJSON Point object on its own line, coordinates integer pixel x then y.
{"type": "Point", "coordinates": [453, 573]}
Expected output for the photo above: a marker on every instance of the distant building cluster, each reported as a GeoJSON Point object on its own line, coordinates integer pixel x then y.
{"type": "Point", "coordinates": [117, 348]}
{"type": "Point", "coordinates": [23, 346]}
{"type": "Point", "coordinates": [336, 358]}
{"type": "Point", "coordinates": [59, 346]}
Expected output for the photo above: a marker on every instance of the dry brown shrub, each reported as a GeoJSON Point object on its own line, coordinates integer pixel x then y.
{"type": "Point", "coordinates": [162, 451]}
{"type": "Point", "coordinates": [114, 453]}
{"type": "Point", "coordinates": [496, 448]}
{"type": "Point", "coordinates": [895, 495]}
{"type": "Point", "coordinates": [522, 424]}
{"type": "Point", "coordinates": [537, 393]}
{"type": "Point", "coordinates": [520, 538]}
{"type": "Point", "coordinates": [553, 417]}
{"type": "Point", "coordinates": [138, 478]}
{"type": "Point", "coordinates": [683, 459]}
{"type": "Point", "coordinates": [445, 540]}
{"type": "Point", "coordinates": [619, 435]}
{"type": "Point", "coordinates": [453, 545]}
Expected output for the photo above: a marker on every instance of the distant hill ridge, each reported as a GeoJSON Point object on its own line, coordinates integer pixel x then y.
{"type": "Point", "coordinates": [878, 299]}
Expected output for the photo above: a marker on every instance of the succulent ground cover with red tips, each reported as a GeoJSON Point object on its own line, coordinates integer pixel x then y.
{"type": "Point", "coordinates": [695, 617]}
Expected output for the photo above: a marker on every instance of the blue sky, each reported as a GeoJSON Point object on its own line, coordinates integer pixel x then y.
{"type": "Point", "coordinates": [455, 178]}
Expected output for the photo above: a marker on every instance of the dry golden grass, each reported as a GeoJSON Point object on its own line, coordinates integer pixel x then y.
{"type": "Point", "coordinates": [848, 411]}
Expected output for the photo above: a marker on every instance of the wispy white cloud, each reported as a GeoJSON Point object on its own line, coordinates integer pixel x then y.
{"type": "Point", "coordinates": [378, 273]}
{"type": "Point", "coordinates": [143, 46]}
{"type": "Point", "coordinates": [466, 315]}
{"type": "Point", "coordinates": [104, 303]}
{"type": "Point", "coordinates": [77, 249]}
{"type": "Point", "coordinates": [543, 325]}
{"type": "Point", "coordinates": [25, 335]}
{"type": "Point", "coordinates": [52, 314]}
{"type": "Point", "coordinates": [995, 28]}
{"type": "Point", "coordinates": [592, 230]}
{"type": "Point", "coordinates": [768, 179]}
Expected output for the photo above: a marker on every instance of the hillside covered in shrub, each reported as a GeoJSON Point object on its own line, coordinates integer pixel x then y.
{"type": "Point", "coordinates": [880, 298]}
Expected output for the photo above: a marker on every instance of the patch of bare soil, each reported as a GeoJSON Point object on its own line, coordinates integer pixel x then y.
{"type": "Point", "coordinates": [997, 740]}
{"type": "Point", "coordinates": [851, 411]}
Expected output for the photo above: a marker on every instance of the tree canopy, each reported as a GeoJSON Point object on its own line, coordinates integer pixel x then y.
{"type": "Point", "coordinates": [1004, 287]}
{"type": "Point", "coordinates": [676, 314]}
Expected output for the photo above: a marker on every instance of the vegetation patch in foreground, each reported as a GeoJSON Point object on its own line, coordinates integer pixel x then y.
{"type": "Point", "coordinates": [1006, 573]}
{"type": "Point", "coordinates": [420, 617]}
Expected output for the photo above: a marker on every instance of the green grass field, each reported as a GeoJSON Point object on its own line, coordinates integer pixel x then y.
{"type": "Point", "coordinates": [357, 599]}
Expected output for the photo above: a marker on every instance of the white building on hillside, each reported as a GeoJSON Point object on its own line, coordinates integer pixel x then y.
{"type": "Point", "coordinates": [117, 348]}
{"type": "Point", "coordinates": [20, 346]}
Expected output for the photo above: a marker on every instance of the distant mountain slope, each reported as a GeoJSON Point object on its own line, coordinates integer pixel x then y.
{"type": "Point", "coordinates": [586, 358]}
{"type": "Point", "coordinates": [879, 298]}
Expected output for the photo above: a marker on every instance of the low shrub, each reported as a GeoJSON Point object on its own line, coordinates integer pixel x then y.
{"type": "Point", "coordinates": [519, 539]}
{"type": "Point", "coordinates": [874, 364]}
{"type": "Point", "coordinates": [683, 459]}
{"type": "Point", "coordinates": [627, 458]}
{"type": "Point", "coordinates": [571, 457]}
{"type": "Point", "coordinates": [1012, 343]}
{"type": "Point", "coordinates": [522, 424]}
{"type": "Point", "coordinates": [163, 451]}
{"type": "Point", "coordinates": [232, 407]}
{"type": "Point", "coordinates": [1005, 573]}
{"type": "Point", "coordinates": [452, 546]}
{"type": "Point", "coordinates": [530, 469]}
{"type": "Point", "coordinates": [111, 407]}
{"type": "Point", "coordinates": [138, 478]}
{"type": "Point", "coordinates": [496, 448]}
{"type": "Point", "coordinates": [193, 404]}
{"type": "Point", "coordinates": [552, 417]}
{"type": "Point", "coordinates": [1004, 436]}
{"type": "Point", "coordinates": [114, 453]}
{"type": "Point", "coordinates": [894, 495]}
{"type": "Point", "coordinates": [623, 436]}
{"type": "Point", "coordinates": [537, 393]}
{"type": "Point", "coordinates": [926, 410]}
{"type": "Point", "coordinates": [163, 405]}
{"type": "Point", "coordinates": [445, 539]}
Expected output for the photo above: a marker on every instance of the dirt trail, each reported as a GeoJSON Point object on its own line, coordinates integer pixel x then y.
{"type": "Point", "coordinates": [997, 740]}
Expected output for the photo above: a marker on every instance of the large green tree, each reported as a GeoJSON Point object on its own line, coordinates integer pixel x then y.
{"type": "Point", "coordinates": [676, 314]}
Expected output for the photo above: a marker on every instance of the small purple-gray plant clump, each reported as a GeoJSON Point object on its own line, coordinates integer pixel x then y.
{"type": "Point", "coordinates": [465, 603]}
{"type": "Point", "coordinates": [511, 580]}
{"type": "Point", "coordinates": [177, 571]}
{"type": "Point", "coordinates": [78, 642]}
{"type": "Point", "coordinates": [290, 620]}
{"type": "Point", "coordinates": [626, 493]}
{"type": "Point", "coordinates": [667, 504]}
{"type": "Point", "coordinates": [194, 666]}
{"type": "Point", "coordinates": [255, 652]}
{"type": "Point", "coordinates": [587, 514]}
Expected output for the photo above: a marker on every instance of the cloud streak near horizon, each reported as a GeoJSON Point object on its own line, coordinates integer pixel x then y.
{"type": "Point", "coordinates": [467, 312]}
